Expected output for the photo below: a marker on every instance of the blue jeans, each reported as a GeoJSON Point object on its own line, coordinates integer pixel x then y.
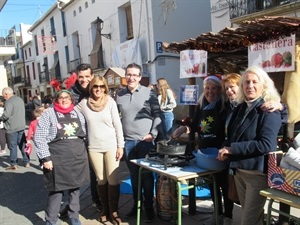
{"type": "Point", "coordinates": [15, 140]}
{"type": "Point", "coordinates": [167, 119]}
{"type": "Point", "coordinates": [137, 150]}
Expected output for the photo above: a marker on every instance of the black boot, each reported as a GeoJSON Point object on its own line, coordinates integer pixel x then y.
{"type": "Point", "coordinates": [103, 197]}
{"type": "Point", "coordinates": [113, 196]}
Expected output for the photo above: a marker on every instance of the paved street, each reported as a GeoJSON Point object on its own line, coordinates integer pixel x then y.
{"type": "Point", "coordinates": [23, 199]}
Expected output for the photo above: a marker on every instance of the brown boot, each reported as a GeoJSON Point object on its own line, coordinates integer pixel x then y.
{"type": "Point", "coordinates": [113, 196]}
{"type": "Point", "coordinates": [103, 197]}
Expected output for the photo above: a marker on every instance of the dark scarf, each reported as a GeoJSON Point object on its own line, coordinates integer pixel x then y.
{"type": "Point", "coordinates": [60, 109]}
{"type": "Point", "coordinates": [82, 92]}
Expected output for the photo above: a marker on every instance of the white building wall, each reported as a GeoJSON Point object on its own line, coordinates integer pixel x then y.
{"type": "Point", "coordinates": [219, 15]}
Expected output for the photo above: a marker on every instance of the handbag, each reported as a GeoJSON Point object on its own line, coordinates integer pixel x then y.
{"type": "Point", "coordinates": [28, 148]}
{"type": "Point", "coordinates": [232, 192]}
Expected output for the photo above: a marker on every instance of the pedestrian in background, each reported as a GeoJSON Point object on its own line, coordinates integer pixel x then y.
{"type": "Point", "coordinates": [61, 146]}
{"type": "Point", "coordinates": [140, 117]}
{"type": "Point", "coordinates": [252, 133]}
{"type": "Point", "coordinates": [167, 101]}
{"type": "Point", "coordinates": [105, 145]}
{"type": "Point", "coordinates": [37, 102]}
{"type": "Point", "coordinates": [13, 118]}
{"type": "Point", "coordinates": [2, 131]}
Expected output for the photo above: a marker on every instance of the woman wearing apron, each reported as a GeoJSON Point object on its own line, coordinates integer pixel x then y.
{"type": "Point", "coordinates": [61, 146]}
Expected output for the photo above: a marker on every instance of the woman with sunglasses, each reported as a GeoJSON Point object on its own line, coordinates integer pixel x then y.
{"type": "Point", "coordinates": [61, 146]}
{"type": "Point", "coordinates": [106, 145]}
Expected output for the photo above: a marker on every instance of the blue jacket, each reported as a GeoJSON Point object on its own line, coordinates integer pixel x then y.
{"type": "Point", "coordinates": [252, 136]}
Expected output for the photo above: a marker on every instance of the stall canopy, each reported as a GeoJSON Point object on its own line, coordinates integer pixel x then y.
{"type": "Point", "coordinates": [227, 51]}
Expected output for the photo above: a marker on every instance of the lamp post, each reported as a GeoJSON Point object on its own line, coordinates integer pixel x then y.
{"type": "Point", "coordinates": [99, 26]}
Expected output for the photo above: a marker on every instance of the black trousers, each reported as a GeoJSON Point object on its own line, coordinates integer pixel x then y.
{"type": "Point", "coordinates": [54, 201]}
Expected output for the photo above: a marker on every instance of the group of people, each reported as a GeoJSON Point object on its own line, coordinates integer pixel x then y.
{"type": "Point", "coordinates": [85, 134]}
{"type": "Point", "coordinates": [244, 128]}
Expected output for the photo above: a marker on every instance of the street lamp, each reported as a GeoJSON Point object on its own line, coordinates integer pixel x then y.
{"type": "Point", "coordinates": [99, 26]}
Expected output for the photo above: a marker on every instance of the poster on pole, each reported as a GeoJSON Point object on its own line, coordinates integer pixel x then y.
{"type": "Point", "coordinates": [189, 94]}
{"type": "Point", "coordinates": [273, 55]}
{"type": "Point", "coordinates": [193, 63]}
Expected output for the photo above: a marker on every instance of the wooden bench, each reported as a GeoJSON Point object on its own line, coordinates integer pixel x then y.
{"type": "Point", "coordinates": [281, 197]}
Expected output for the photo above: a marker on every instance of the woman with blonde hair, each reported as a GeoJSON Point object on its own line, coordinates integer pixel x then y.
{"type": "Point", "coordinates": [252, 134]}
{"type": "Point", "coordinates": [105, 145]}
{"type": "Point", "coordinates": [166, 98]}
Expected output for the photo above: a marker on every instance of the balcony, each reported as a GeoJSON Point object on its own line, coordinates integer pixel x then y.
{"type": "Point", "coordinates": [72, 65]}
{"type": "Point", "coordinates": [7, 42]}
{"type": "Point", "coordinates": [44, 77]}
{"type": "Point", "coordinates": [240, 8]}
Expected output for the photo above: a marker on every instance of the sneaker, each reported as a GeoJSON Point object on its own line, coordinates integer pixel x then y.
{"type": "Point", "coordinates": [149, 215]}
{"type": "Point", "coordinates": [2, 152]}
{"type": "Point", "coordinates": [97, 206]}
{"type": "Point", "coordinates": [227, 221]}
{"type": "Point", "coordinates": [27, 165]}
{"type": "Point", "coordinates": [132, 213]}
{"type": "Point", "coordinates": [75, 221]}
{"type": "Point", "coordinates": [12, 167]}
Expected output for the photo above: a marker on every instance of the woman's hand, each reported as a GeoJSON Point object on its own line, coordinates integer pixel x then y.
{"type": "Point", "coordinates": [119, 154]}
{"type": "Point", "coordinates": [271, 106]}
{"type": "Point", "coordinates": [223, 153]}
{"type": "Point", "coordinates": [48, 165]}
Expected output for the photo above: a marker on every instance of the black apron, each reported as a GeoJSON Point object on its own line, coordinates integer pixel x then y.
{"type": "Point", "coordinates": [68, 154]}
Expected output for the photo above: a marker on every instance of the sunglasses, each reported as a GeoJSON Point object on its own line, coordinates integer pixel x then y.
{"type": "Point", "coordinates": [95, 86]}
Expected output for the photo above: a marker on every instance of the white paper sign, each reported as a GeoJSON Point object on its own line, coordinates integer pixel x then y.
{"type": "Point", "coordinates": [273, 55]}
{"type": "Point", "coordinates": [193, 63]}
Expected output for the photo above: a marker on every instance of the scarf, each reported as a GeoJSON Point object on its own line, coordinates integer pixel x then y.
{"type": "Point", "coordinates": [60, 109]}
{"type": "Point", "coordinates": [212, 105]}
{"type": "Point", "coordinates": [82, 92]}
{"type": "Point", "coordinates": [99, 104]}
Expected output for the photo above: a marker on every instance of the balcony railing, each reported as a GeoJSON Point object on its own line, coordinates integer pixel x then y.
{"type": "Point", "coordinates": [44, 77]}
{"type": "Point", "coordinates": [73, 64]}
{"type": "Point", "coordinates": [7, 38]}
{"type": "Point", "coordinates": [239, 8]}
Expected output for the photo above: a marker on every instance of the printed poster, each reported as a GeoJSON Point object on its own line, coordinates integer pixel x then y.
{"type": "Point", "coordinates": [189, 94]}
{"type": "Point", "coordinates": [273, 55]}
{"type": "Point", "coordinates": [193, 63]}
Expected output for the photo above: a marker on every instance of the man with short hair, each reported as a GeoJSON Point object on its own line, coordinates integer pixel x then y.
{"type": "Point", "coordinates": [140, 115]}
{"type": "Point", "coordinates": [14, 121]}
{"type": "Point", "coordinates": [80, 89]}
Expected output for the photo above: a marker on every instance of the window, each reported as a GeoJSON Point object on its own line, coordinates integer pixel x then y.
{"type": "Point", "coordinates": [28, 71]}
{"type": "Point", "coordinates": [93, 1]}
{"type": "Point", "coordinates": [74, 13]}
{"type": "Point", "coordinates": [129, 22]}
{"type": "Point", "coordinates": [36, 45]}
{"type": "Point", "coordinates": [52, 27]}
{"type": "Point", "coordinates": [25, 54]}
{"type": "Point", "coordinates": [86, 4]}
{"type": "Point", "coordinates": [43, 41]}
{"type": "Point", "coordinates": [29, 49]}
{"type": "Point", "coordinates": [63, 21]}
{"type": "Point", "coordinates": [33, 71]}
{"type": "Point", "coordinates": [79, 9]}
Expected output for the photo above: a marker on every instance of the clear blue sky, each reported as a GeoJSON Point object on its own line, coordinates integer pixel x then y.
{"type": "Point", "coordinates": [23, 11]}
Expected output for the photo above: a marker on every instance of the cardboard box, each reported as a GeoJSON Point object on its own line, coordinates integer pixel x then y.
{"type": "Point", "coordinates": [280, 178]}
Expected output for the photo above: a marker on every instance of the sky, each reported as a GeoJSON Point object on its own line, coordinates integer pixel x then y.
{"type": "Point", "coordinates": [23, 11]}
